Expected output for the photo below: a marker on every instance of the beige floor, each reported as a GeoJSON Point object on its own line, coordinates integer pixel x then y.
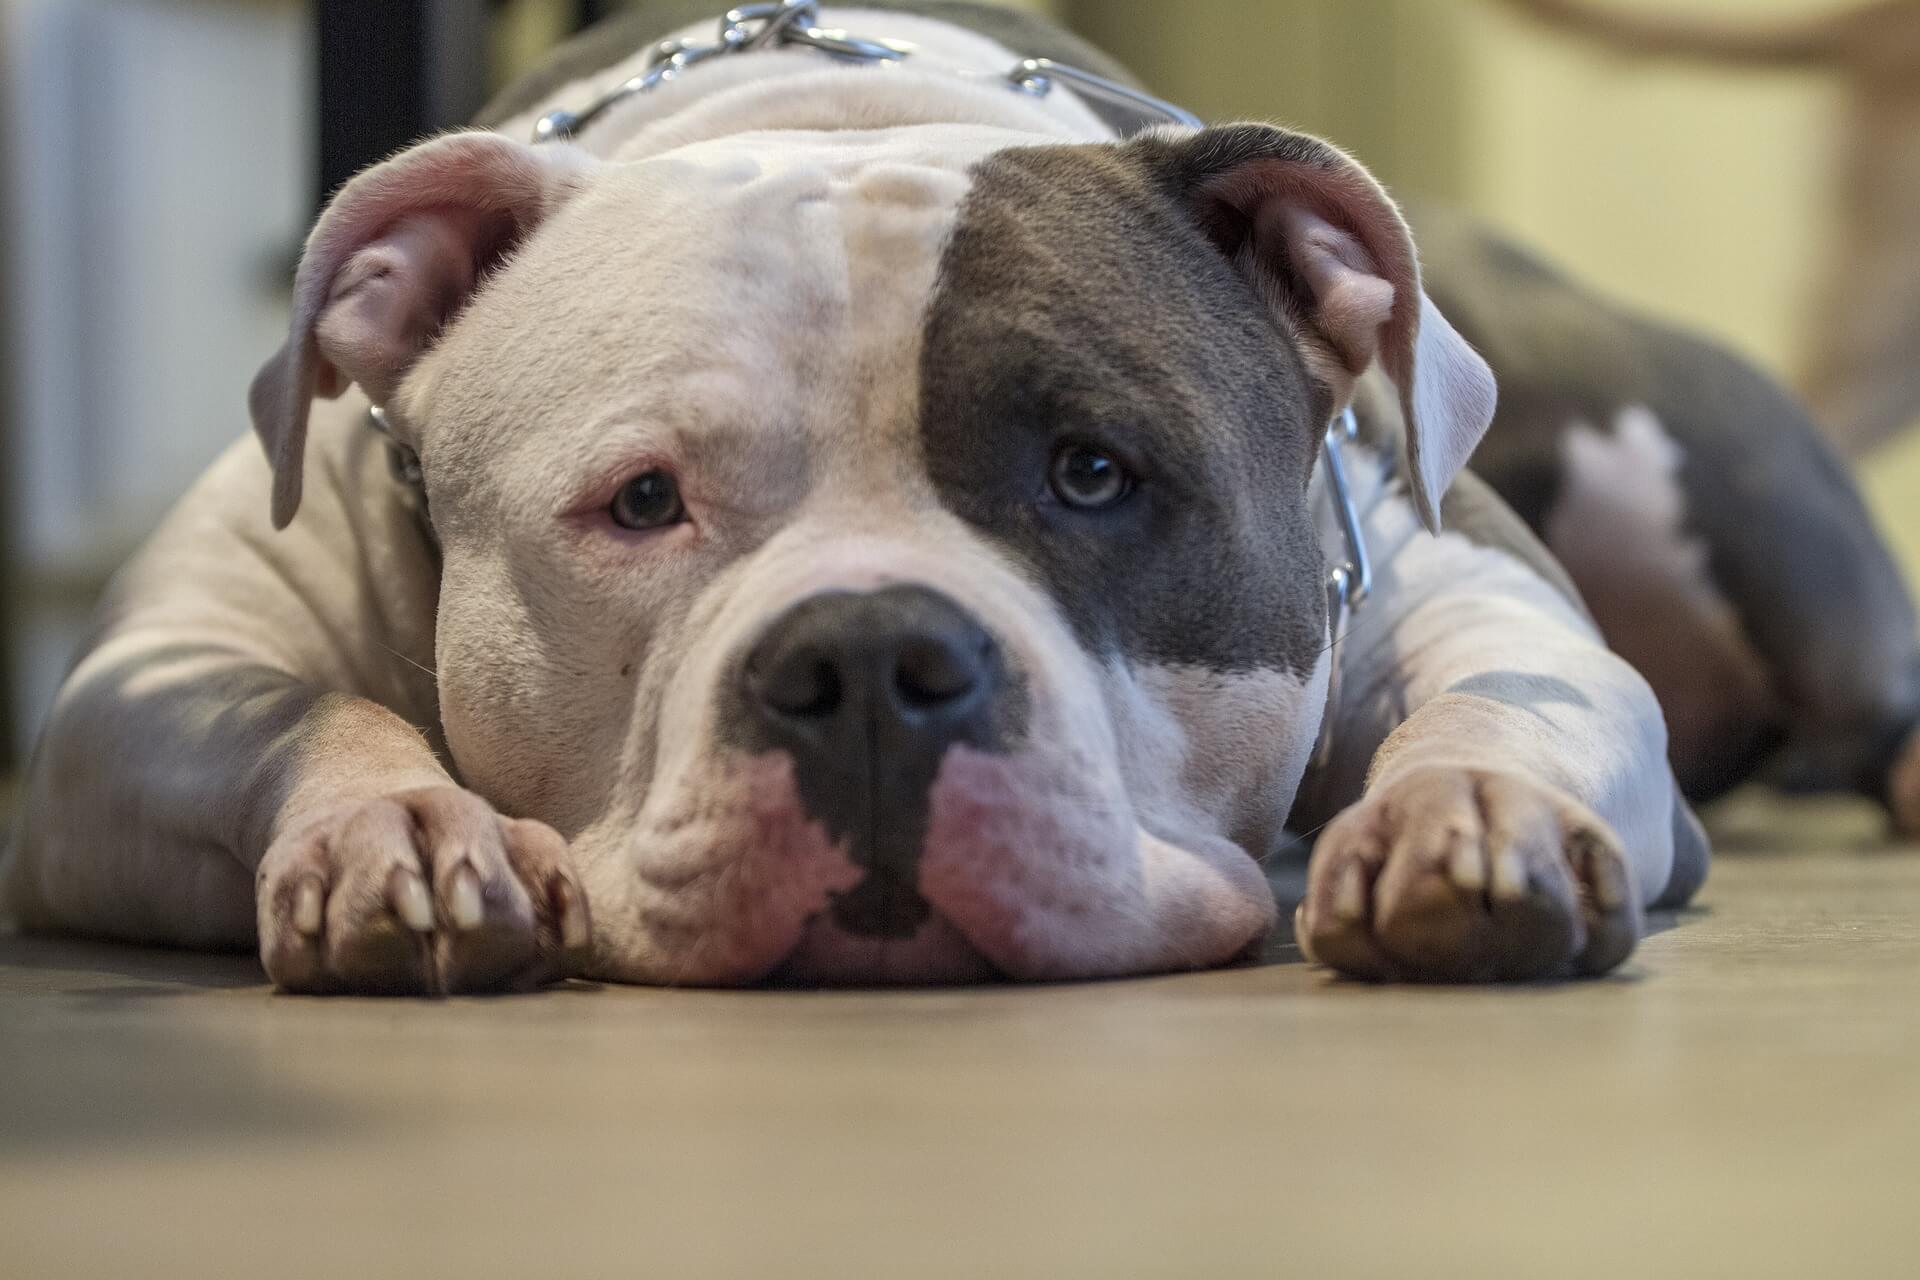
{"type": "Point", "coordinates": [1744, 1101]}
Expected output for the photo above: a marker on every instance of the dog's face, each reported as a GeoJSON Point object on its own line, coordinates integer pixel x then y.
{"type": "Point", "coordinates": [884, 557]}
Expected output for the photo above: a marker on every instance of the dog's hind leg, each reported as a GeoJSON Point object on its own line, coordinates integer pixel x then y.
{"type": "Point", "coordinates": [1737, 568]}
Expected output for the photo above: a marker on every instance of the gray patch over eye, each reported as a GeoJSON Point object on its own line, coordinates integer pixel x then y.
{"type": "Point", "coordinates": [1077, 300]}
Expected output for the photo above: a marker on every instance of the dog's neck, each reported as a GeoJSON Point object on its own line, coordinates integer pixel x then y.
{"type": "Point", "coordinates": [955, 76]}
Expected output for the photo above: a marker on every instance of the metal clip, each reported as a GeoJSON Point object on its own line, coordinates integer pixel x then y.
{"type": "Point", "coordinates": [1350, 582]}
{"type": "Point", "coordinates": [1035, 76]}
{"type": "Point", "coordinates": [775, 20]}
{"type": "Point", "coordinates": [402, 458]}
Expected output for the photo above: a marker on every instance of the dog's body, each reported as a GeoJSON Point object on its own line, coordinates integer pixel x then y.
{"type": "Point", "coordinates": [875, 535]}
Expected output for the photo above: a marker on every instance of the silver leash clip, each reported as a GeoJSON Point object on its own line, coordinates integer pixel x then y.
{"type": "Point", "coordinates": [1350, 582]}
{"type": "Point", "coordinates": [401, 457]}
{"type": "Point", "coordinates": [1036, 76]}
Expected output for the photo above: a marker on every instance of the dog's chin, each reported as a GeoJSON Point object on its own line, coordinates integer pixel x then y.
{"type": "Point", "coordinates": [830, 956]}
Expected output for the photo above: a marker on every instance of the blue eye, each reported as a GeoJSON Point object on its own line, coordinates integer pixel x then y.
{"type": "Point", "coordinates": [651, 500]}
{"type": "Point", "coordinates": [1084, 477]}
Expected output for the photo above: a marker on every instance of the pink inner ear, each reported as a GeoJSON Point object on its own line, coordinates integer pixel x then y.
{"type": "Point", "coordinates": [1318, 214]}
{"type": "Point", "coordinates": [392, 297]}
{"type": "Point", "coordinates": [1345, 242]}
{"type": "Point", "coordinates": [1352, 301]}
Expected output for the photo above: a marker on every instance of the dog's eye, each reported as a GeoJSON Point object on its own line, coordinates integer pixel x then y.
{"type": "Point", "coordinates": [648, 501]}
{"type": "Point", "coordinates": [1082, 476]}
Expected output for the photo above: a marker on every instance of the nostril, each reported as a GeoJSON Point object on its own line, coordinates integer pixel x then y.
{"type": "Point", "coordinates": [803, 684]}
{"type": "Point", "coordinates": [902, 659]}
{"type": "Point", "coordinates": [932, 672]}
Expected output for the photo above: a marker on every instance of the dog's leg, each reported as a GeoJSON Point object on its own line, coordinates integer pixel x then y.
{"type": "Point", "coordinates": [225, 765]}
{"type": "Point", "coordinates": [1518, 812]}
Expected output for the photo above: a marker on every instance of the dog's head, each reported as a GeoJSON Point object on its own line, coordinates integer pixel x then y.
{"type": "Point", "coordinates": [883, 556]}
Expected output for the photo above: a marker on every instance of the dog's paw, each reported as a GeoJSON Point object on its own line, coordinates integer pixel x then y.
{"type": "Point", "coordinates": [1465, 875]}
{"type": "Point", "coordinates": [1903, 788]}
{"type": "Point", "coordinates": [422, 892]}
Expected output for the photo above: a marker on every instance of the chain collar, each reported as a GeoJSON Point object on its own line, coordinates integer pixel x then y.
{"type": "Point", "coordinates": [403, 461]}
{"type": "Point", "coordinates": [1350, 582]}
{"type": "Point", "coordinates": [794, 24]}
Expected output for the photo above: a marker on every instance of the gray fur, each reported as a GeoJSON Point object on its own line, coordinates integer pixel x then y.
{"type": "Point", "coordinates": [1035, 338]}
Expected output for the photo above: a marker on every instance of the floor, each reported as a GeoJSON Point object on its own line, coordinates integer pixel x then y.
{"type": "Point", "coordinates": [1743, 1101]}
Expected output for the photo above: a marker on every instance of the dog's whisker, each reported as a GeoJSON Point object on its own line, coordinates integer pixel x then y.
{"type": "Point", "coordinates": [409, 661]}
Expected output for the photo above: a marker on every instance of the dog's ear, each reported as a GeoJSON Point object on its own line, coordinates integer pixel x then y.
{"type": "Point", "coordinates": [397, 253]}
{"type": "Point", "coordinates": [1325, 246]}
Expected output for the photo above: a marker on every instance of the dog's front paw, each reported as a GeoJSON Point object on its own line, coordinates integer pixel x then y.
{"type": "Point", "coordinates": [422, 892]}
{"type": "Point", "coordinates": [1465, 875]}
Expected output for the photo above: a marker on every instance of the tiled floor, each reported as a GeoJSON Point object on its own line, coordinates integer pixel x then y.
{"type": "Point", "coordinates": [1743, 1101]}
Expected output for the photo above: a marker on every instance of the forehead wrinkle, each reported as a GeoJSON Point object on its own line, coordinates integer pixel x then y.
{"type": "Point", "coordinates": [896, 216]}
{"type": "Point", "coordinates": [639, 286]}
{"type": "Point", "coordinates": [790, 288]}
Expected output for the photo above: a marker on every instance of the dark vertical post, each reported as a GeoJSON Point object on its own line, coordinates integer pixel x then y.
{"type": "Point", "coordinates": [391, 71]}
{"type": "Point", "coordinates": [10, 726]}
{"type": "Point", "coordinates": [588, 12]}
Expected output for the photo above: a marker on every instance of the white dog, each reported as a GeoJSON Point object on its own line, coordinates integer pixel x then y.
{"type": "Point", "coordinates": [868, 528]}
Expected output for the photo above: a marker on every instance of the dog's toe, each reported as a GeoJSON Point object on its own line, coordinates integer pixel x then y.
{"type": "Point", "coordinates": [1609, 902]}
{"type": "Point", "coordinates": [1334, 921]}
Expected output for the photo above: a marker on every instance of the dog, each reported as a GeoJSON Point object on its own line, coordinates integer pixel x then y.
{"type": "Point", "coordinates": [844, 523]}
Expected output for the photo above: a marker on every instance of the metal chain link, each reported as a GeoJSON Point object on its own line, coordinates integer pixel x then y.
{"type": "Point", "coordinates": [1350, 582]}
{"type": "Point", "coordinates": [795, 24]}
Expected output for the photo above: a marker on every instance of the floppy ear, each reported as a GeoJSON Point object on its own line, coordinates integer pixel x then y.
{"type": "Point", "coordinates": [1325, 246]}
{"type": "Point", "coordinates": [397, 253]}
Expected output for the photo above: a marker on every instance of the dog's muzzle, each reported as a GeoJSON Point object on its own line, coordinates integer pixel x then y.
{"type": "Point", "coordinates": [867, 691]}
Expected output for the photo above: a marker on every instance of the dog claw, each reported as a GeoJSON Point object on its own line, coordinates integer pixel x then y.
{"type": "Point", "coordinates": [307, 906]}
{"type": "Point", "coordinates": [411, 902]}
{"type": "Point", "coordinates": [1350, 894]}
{"type": "Point", "coordinates": [1466, 868]}
{"type": "Point", "coordinates": [464, 903]}
{"type": "Point", "coordinates": [1509, 875]}
{"type": "Point", "coordinates": [575, 931]}
{"type": "Point", "coordinates": [1609, 883]}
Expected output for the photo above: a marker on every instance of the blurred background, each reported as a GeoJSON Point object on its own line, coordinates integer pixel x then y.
{"type": "Point", "coordinates": [1741, 165]}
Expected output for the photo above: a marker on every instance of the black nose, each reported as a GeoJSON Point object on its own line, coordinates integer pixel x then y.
{"type": "Point", "coordinates": [867, 691]}
{"type": "Point", "coordinates": [906, 657]}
